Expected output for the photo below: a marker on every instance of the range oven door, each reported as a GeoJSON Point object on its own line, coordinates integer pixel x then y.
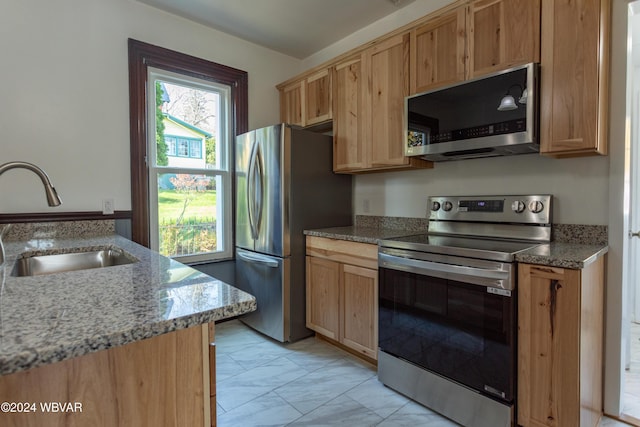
{"type": "Point", "coordinates": [437, 316]}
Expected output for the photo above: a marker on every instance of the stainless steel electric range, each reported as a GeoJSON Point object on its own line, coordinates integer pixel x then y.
{"type": "Point", "coordinates": [447, 305]}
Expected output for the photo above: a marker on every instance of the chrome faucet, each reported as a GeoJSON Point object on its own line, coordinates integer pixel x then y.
{"type": "Point", "coordinates": [52, 196]}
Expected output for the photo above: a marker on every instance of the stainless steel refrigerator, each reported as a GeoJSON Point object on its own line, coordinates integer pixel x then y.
{"type": "Point", "coordinates": [284, 185]}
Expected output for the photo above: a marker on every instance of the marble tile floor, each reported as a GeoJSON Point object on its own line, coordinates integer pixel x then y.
{"type": "Point", "coordinates": [261, 382]}
{"type": "Point", "coordinates": [631, 398]}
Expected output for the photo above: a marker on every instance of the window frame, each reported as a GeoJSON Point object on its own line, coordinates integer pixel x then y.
{"type": "Point", "coordinates": [141, 56]}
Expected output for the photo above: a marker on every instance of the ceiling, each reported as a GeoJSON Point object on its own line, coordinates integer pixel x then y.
{"type": "Point", "coordinates": [296, 28]}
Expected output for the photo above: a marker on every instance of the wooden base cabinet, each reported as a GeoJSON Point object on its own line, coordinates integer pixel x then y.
{"type": "Point", "coordinates": [560, 345]}
{"type": "Point", "coordinates": [342, 293]}
{"type": "Point", "coordinates": [168, 380]}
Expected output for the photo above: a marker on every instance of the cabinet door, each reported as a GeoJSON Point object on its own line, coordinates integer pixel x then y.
{"type": "Point", "coordinates": [438, 51]}
{"type": "Point", "coordinates": [323, 296]}
{"type": "Point", "coordinates": [502, 33]}
{"type": "Point", "coordinates": [548, 346]}
{"type": "Point", "coordinates": [318, 98]}
{"type": "Point", "coordinates": [349, 150]}
{"type": "Point", "coordinates": [360, 309]}
{"type": "Point", "coordinates": [291, 105]}
{"type": "Point", "coordinates": [574, 77]}
{"type": "Point", "coordinates": [387, 66]}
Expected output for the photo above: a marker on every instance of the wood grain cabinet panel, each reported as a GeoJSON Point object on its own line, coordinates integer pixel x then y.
{"type": "Point", "coordinates": [317, 94]}
{"type": "Point", "coordinates": [291, 103]}
{"type": "Point", "coordinates": [342, 293]}
{"type": "Point", "coordinates": [438, 51]}
{"type": "Point", "coordinates": [502, 34]}
{"type": "Point", "coordinates": [387, 64]}
{"type": "Point", "coordinates": [368, 109]}
{"type": "Point", "coordinates": [323, 296]}
{"type": "Point", "coordinates": [560, 345]}
{"type": "Point", "coordinates": [349, 116]}
{"type": "Point", "coordinates": [359, 313]}
{"type": "Point", "coordinates": [307, 101]}
{"type": "Point", "coordinates": [574, 80]}
{"type": "Point", "coordinates": [159, 381]}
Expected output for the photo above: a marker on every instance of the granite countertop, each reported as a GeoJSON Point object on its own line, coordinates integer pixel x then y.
{"type": "Point", "coordinates": [360, 234]}
{"type": "Point", "coordinates": [564, 255]}
{"type": "Point", "coordinates": [555, 254]}
{"type": "Point", "coordinates": [49, 318]}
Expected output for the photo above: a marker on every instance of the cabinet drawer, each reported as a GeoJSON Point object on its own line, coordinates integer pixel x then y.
{"type": "Point", "coordinates": [354, 253]}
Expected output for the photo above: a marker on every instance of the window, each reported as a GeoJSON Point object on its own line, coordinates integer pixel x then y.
{"type": "Point", "coordinates": [195, 149]}
{"type": "Point", "coordinates": [183, 148]}
{"type": "Point", "coordinates": [182, 183]}
{"type": "Point", "coordinates": [171, 145]}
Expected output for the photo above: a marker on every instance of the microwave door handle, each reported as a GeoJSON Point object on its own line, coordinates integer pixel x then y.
{"type": "Point", "coordinates": [257, 258]}
{"type": "Point", "coordinates": [424, 267]}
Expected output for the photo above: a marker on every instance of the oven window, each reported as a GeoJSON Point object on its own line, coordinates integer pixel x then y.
{"type": "Point", "coordinates": [451, 328]}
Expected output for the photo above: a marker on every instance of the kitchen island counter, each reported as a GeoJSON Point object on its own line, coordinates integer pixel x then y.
{"type": "Point", "coordinates": [50, 318]}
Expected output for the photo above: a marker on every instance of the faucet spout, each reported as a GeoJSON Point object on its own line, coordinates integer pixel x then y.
{"type": "Point", "coordinates": [52, 195]}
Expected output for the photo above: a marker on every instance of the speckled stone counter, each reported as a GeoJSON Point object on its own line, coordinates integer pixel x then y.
{"type": "Point", "coordinates": [565, 255]}
{"type": "Point", "coordinates": [359, 234]}
{"type": "Point", "coordinates": [49, 318]}
{"type": "Point", "coordinates": [575, 246]}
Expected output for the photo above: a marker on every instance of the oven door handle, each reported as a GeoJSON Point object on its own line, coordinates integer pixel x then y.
{"type": "Point", "coordinates": [492, 277]}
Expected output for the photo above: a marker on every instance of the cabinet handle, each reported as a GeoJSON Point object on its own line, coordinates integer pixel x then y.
{"type": "Point", "coordinates": [634, 234]}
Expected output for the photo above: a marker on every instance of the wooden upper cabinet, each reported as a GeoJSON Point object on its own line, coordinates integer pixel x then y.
{"type": "Point", "coordinates": [317, 94]}
{"type": "Point", "coordinates": [291, 104]}
{"type": "Point", "coordinates": [368, 109]}
{"type": "Point", "coordinates": [307, 101]}
{"type": "Point", "coordinates": [473, 39]}
{"type": "Point", "coordinates": [502, 34]}
{"type": "Point", "coordinates": [574, 77]}
{"type": "Point", "coordinates": [349, 149]}
{"type": "Point", "coordinates": [387, 64]}
{"type": "Point", "coordinates": [438, 51]}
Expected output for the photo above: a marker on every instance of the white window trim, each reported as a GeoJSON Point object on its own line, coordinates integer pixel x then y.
{"type": "Point", "coordinates": [224, 228]}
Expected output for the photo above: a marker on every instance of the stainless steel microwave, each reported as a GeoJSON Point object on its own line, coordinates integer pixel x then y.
{"type": "Point", "coordinates": [493, 115]}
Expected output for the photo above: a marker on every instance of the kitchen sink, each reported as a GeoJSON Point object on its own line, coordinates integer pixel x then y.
{"type": "Point", "coordinates": [40, 263]}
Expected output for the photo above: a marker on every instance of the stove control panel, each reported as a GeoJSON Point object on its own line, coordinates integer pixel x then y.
{"type": "Point", "coordinates": [530, 209]}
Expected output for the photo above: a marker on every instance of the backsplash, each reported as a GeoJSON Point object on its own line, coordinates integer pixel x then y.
{"type": "Point", "coordinates": [392, 223]}
{"type": "Point", "coordinates": [562, 233]}
{"type": "Point", "coordinates": [582, 234]}
{"type": "Point", "coordinates": [58, 229]}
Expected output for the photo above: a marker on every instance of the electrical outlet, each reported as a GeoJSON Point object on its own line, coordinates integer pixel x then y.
{"type": "Point", "coordinates": [107, 207]}
{"type": "Point", "coordinates": [366, 206]}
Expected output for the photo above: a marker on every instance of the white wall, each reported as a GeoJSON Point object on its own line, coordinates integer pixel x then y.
{"type": "Point", "coordinates": [579, 186]}
{"type": "Point", "coordinates": [64, 97]}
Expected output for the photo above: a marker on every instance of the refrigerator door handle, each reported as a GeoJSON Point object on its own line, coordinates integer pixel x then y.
{"type": "Point", "coordinates": [255, 190]}
{"type": "Point", "coordinates": [261, 259]}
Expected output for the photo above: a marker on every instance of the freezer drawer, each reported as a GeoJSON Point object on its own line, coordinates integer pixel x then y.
{"type": "Point", "coordinates": [266, 278]}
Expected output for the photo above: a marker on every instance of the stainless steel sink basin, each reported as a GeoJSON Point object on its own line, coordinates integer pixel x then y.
{"type": "Point", "coordinates": [35, 265]}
